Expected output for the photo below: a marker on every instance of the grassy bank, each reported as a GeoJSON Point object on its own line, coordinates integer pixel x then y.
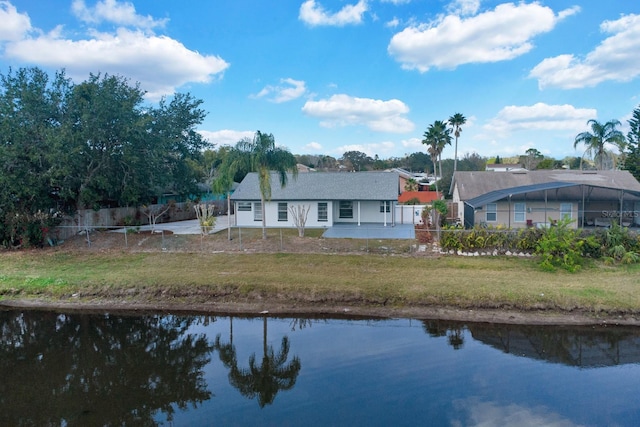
{"type": "Point", "coordinates": [316, 279]}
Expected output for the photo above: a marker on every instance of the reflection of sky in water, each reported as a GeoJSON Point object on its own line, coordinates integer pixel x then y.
{"type": "Point", "coordinates": [395, 373]}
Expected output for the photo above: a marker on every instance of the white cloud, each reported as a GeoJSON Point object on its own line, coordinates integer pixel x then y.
{"type": "Point", "coordinates": [377, 115]}
{"type": "Point", "coordinates": [382, 149]}
{"type": "Point", "coordinates": [614, 59]}
{"type": "Point", "coordinates": [159, 63]}
{"type": "Point", "coordinates": [114, 12]}
{"type": "Point", "coordinates": [474, 412]}
{"type": "Point", "coordinates": [539, 117]}
{"type": "Point", "coordinates": [13, 25]}
{"type": "Point", "coordinates": [314, 14]}
{"type": "Point", "coordinates": [498, 35]}
{"type": "Point", "coordinates": [393, 23]}
{"type": "Point", "coordinates": [289, 89]}
{"type": "Point", "coordinates": [313, 146]}
{"type": "Point", "coordinates": [464, 7]}
{"type": "Point", "coordinates": [414, 144]}
{"type": "Point", "coordinates": [226, 136]}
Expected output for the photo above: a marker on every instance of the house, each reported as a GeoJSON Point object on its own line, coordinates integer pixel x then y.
{"type": "Point", "coordinates": [504, 167]}
{"type": "Point", "coordinates": [329, 198]}
{"type": "Point", "coordinates": [423, 179]}
{"type": "Point", "coordinates": [542, 197]}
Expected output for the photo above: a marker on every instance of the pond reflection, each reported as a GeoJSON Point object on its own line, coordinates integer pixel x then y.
{"type": "Point", "coordinates": [584, 347]}
{"type": "Point", "coordinates": [72, 369]}
{"type": "Point", "coordinates": [164, 369]}
{"type": "Point", "coordinates": [265, 380]}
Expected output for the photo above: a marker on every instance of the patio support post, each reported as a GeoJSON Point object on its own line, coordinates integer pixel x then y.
{"type": "Point", "coordinates": [621, 206]}
{"type": "Point", "coordinates": [385, 212]}
{"type": "Point", "coordinates": [545, 208]}
{"type": "Point", "coordinates": [583, 212]}
{"type": "Point", "coordinates": [510, 211]}
{"type": "Point", "coordinates": [358, 213]}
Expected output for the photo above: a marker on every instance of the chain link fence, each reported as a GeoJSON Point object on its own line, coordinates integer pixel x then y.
{"type": "Point", "coordinates": [188, 238]}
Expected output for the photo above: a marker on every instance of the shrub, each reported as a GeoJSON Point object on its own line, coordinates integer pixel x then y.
{"type": "Point", "coordinates": [560, 246]}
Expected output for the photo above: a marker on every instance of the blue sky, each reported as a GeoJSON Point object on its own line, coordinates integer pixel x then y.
{"type": "Point", "coordinates": [329, 76]}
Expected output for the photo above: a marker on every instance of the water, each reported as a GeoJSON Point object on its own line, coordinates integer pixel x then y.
{"type": "Point", "coordinates": [108, 369]}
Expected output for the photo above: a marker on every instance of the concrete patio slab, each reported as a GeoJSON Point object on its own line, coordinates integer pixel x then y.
{"type": "Point", "coordinates": [370, 231]}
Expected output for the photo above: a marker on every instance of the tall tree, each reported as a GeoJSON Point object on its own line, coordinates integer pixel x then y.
{"type": "Point", "coordinates": [632, 159]}
{"type": "Point", "coordinates": [456, 121]}
{"type": "Point", "coordinates": [437, 137]}
{"type": "Point", "coordinates": [358, 160]}
{"type": "Point", "coordinates": [264, 380]}
{"type": "Point", "coordinates": [32, 107]}
{"type": "Point", "coordinates": [260, 155]}
{"type": "Point", "coordinates": [600, 135]}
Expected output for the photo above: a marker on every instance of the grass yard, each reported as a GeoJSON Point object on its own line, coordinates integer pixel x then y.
{"type": "Point", "coordinates": [315, 279]}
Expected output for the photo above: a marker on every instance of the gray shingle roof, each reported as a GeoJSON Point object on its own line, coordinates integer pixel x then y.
{"type": "Point", "coordinates": [324, 186]}
{"type": "Point", "coordinates": [474, 184]}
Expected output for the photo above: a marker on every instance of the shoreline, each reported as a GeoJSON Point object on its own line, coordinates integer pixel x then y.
{"type": "Point", "coordinates": [279, 309]}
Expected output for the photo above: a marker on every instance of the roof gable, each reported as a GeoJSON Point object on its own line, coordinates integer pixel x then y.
{"type": "Point", "coordinates": [324, 186]}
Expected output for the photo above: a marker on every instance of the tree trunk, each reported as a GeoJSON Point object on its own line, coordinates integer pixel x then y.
{"type": "Point", "coordinates": [264, 218]}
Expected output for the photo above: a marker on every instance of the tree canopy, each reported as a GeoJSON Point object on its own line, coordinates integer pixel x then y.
{"type": "Point", "coordinates": [259, 154]}
{"type": "Point", "coordinates": [67, 146]}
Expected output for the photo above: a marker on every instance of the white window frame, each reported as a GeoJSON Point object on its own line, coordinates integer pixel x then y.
{"type": "Point", "coordinates": [564, 212]}
{"type": "Point", "coordinates": [323, 212]}
{"type": "Point", "coordinates": [346, 206]}
{"type": "Point", "coordinates": [244, 206]}
{"type": "Point", "coordinates": [283, 211]}
{"type": "Point", "coordinates": [385, 205]}
{"type": "Point", "coordinates": [257, 211]}
{"type": "Point", "coordinates": [519, 212]}
{"type": "Point", "coordinates": [491, 208]}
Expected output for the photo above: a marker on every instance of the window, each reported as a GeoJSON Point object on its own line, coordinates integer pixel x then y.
{"type": "Point", "coordinates": [257, 211]}
{"type": "Point", "coordinates": [566, 210]}
{"type": "Point", "coordinates": [520, 212]}
{"type": "Point", "coordinates": [492, 212]}
{"type": "Point", "coordinates": [244, 206]}
{"type": "Point", "coordinates": [322, 212]}
{"type": "Point", "coordinates": [282, 212]}
{"type": "Point", "coordinates": [346, 209]}
{"type": "Point", "coordinates": [385, 207]}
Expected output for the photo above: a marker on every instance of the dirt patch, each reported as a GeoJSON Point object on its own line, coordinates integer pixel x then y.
{"type": "Point", "coordinates": [242, 241]}
{"type": "Point", "coordinates": [350, 309]}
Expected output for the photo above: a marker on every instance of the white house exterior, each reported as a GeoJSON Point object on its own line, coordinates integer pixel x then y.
{"type": "Point", "coordinates": [329, 198]}
{"type": "Point", "coordinates": [540, 198]}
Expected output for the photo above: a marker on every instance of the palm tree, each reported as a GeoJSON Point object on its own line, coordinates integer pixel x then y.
{"type": "Point", "coordinates": [437, 137]}
{"type": "Point", "coordinates": [456, 121]}
{"type": "Point", "coordinates": [265, 380]}
{"type": "Point", "coordinates": [411, 185]}
{"type": "Point", "coordinates": [600, 135]}
{"type": "Point", "coordinates": [431, 141]}
{"type": "Point", "coordinates": [261, 155]}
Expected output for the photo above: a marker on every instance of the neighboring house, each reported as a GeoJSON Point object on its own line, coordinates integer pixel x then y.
{"type": "Point", "coordinates": [329, 197]}
{"type": "Point", "coordinates": [540, 198]}
{"type": "Point", "coordinates": [423, 179]}
{"type": "Point", "coordinates": [304, 168]}
{"type": "Point", "coordinates": [500, 167]}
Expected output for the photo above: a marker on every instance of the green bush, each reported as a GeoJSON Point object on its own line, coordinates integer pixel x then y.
{"type": "Point", "coordinates": [561, 247]}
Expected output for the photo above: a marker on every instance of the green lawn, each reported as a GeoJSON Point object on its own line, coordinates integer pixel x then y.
{"type": "Point", "coordinates": [398, 281]}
